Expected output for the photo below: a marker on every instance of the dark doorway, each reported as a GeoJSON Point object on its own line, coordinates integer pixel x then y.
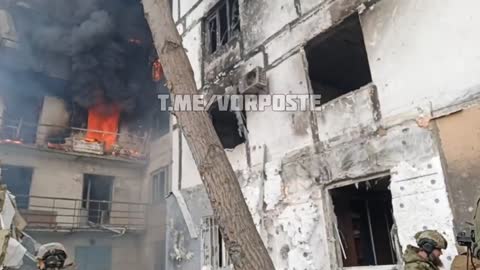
{"type": "Point", "coordinates": [97, 197]}
{"type": "Point", "coordinates": [364, 219]}
{"type": "Point", "coordinates": [18, 180]}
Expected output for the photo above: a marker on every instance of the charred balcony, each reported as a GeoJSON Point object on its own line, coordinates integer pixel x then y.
{"type": "Point", "coordinates": [73, 140]}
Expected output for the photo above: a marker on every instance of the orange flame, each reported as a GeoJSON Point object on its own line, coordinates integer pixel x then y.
{"type": "Point", "coordinates": [157, 70]}
{"type": "Point", "coordinates": [103, 122]}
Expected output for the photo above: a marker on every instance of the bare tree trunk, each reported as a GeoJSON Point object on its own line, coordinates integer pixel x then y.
{"type": "Point", "coordinates": [238, 229]}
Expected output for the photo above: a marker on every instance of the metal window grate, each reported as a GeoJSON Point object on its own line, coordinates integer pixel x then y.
{"type": "Point", "coordinates": [161, 186]}
{"type": "Point", "coordinates": [222, 24]}
{"type": "Point", "coordinates": [214, 251]}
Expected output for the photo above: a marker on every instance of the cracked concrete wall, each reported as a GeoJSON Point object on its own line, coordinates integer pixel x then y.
{"type": "Point", "coordinates": [347, 117]}
{"type": "Point", "coordinates": [417, 70]}
{"type": "Point", "coordinates": [299, 217]}
{"type": "Point", "coordinates": [289, 205]}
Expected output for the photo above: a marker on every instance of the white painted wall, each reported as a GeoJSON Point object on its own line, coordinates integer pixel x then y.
{"type": "Point", "coordinates": [308, 5]}
{"type": "Point", "coordinates": [262, 19]}
{"type": "Point", "coordinates": [201, 9]}
{"type": "Point", "coordinates": [422, 53]}
{"type": "Point", "coordinates": [420, 202]}
{"type": "Point", "coordinates": [192, 42]}
{"type": "Point", "coordinates": [186, 5]}
{"type": "Point", "coordinates": [275, 129]}
{"type": "Point", "coordinates": [175, 9]}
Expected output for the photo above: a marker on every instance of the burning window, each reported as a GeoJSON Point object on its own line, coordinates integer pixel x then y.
{"type": "Point", "coordinates": [364, 222]}
{"type": "Point", "coordinates": [338, 61]}
{"type": "Point", "coordinates": [103, 120]}
{"type": "Point", "coordinates": [161, 187]}
{"type": "Point", "coordinates": [222, 24]}
{"type": "Point", "coordinates": [214, 251]}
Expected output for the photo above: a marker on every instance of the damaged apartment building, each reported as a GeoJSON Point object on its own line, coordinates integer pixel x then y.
{"type": "Point", "coordinates": [391, 149]}
{"type": "Point", "coordinates": [78, 87]}
{"type": "Point", "coordinates": [389, 152]}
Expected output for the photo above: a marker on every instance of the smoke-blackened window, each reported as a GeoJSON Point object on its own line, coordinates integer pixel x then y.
{"type": "Point", "coordinates": [230, 126]}
{"type": "Point", "coordinates": [222, 24]}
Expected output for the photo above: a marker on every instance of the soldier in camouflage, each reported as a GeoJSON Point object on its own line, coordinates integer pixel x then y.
{"type": "Point", "coordinates": [427, 255]}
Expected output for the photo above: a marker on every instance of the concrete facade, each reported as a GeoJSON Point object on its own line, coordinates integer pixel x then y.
{"type": "Point", "coordinates": [423, 63]}
{"type": "Point", "coordinates": [60, 175]}
{"type": "Point", "coordinates": [155, 234]}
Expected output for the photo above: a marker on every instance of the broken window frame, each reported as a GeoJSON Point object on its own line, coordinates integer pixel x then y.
{"type": "Point", "coordinates": [336, 248]}
{"type": "Point", "coordinates": [94, 207]}
{"type": "Point", "coordinates": [240, 120]}
{"type": "Point", "coordinates": [158, 183]}
{"type": "Point", "coordinates": [232, 27]}
{"type": "Point", "coordinates": [214, 253]}
{"type": "Point", "coordinates": [324, 36]}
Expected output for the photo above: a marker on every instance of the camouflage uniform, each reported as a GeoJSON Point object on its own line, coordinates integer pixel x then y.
{"type": "Point", "coordinates": [413, 261]}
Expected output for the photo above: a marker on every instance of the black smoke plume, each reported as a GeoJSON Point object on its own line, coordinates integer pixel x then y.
{"type": "Point", "coordinates": [88, 44]}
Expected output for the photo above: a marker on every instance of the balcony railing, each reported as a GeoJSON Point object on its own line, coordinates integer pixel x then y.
{"type": "Point", "coordinates": [65, 214]}
{"type": "Point", "coordinates": [70, 139]}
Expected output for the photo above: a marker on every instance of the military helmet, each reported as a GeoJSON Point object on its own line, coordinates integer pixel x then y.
{"type": "Point", "coordinates": [51, 256]}
{"type": "Point", "coordinates": [431, 239]}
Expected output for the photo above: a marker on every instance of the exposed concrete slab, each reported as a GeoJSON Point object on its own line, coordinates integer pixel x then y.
{"type": "Point", "coordinates": [347, 117]}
